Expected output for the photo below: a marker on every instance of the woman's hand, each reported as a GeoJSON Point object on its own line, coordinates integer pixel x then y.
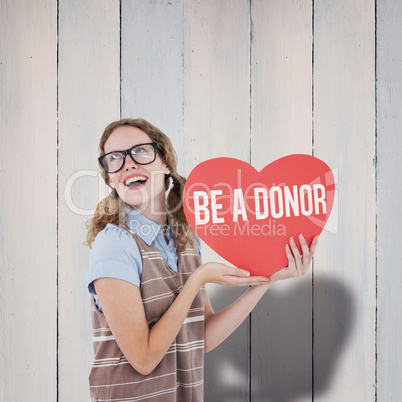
{"type": "Point", "coordinates": [213, 272]}
{"type": "Point", "coordinates": [298, 264]}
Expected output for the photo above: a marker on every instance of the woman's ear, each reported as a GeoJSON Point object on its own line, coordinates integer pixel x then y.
{"type": "Point", "coordinates": [167, 170]}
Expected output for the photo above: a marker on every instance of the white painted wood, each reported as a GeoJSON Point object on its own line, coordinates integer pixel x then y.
{"type": "Point", "coordinates": [344, 137]}
{"type": "Point", "coordinates": [281, 124]}
{"type": "Point", "coordinates": [28, 201]}
{"type": "Point", "coordinates": [186, 68]}
{"type": "Point", "coordinates": [152, 65]}
{"type": "Point", "coordinates": [216, 78]}
{"type": "Point", "coordinates": [217, 123]}
{"type": "Point", "coordinates": [389, 187]}
{"type": "Point", "coordinates": [89, 98]}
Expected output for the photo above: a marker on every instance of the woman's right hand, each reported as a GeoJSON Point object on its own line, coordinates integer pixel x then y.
{"type": "Point", "coordinates": [214, 272]}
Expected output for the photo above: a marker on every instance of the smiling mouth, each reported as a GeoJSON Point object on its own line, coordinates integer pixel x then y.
{"type": "Point", "coordinates": [135, 181]}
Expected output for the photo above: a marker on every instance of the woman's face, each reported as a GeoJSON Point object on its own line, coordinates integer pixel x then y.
{"type": "Point", "coordinates": [140, 186]}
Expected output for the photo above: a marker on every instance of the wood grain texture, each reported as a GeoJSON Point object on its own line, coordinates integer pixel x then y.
{"type": "Point", "coordinates": [344, 136]}
{"type": "Point", "coordinates": [281, 124]}
{"type": "Point", "coordinates": [389, 190]}
{"type": "Point", "coordinates": [152, 65]}
{"type": "Point", "coordinates": [89, 46]}
{"type": "Point", "coordinates": [216, 78]}
{"type": "Point", "coordinates": [217, 123]}
{"type": "Point", "coordinates": [230, 78]}
{"type": "Point", "coordinates": [28, 201]}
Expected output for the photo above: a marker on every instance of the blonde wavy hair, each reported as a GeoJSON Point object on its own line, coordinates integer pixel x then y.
{"type": "Point", "coordinates": [109, 209]}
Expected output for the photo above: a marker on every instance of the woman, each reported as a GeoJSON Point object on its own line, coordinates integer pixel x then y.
{"type": "Point", "coordinates": [152, 318]}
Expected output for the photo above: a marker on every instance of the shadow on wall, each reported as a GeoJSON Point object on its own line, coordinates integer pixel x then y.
{"type": "Point", "coordinates": [281, 351]}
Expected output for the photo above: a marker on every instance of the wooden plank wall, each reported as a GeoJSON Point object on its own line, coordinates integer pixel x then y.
{"type": "Point", "coordinates": [389, 190]}
{"type": "Point", "coordinates": [281, 124]}
{"type": "Point", "coordinates": [89, 51]}
{"type": "Point", "coordinates": [28, 201]}
{"type": "Point", "coordinates": [217, 119]}
{"type": "Point", "coordinates": [249, 79]}
{"type": "Point", "coordinates": [344, 136]}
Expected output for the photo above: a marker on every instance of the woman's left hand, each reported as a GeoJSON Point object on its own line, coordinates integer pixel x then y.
{"type": "Point", "coordinates": [298, 264]}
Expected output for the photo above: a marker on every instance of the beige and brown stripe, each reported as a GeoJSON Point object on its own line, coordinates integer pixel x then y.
{"type": "Point", "coordinates": [179, 376]}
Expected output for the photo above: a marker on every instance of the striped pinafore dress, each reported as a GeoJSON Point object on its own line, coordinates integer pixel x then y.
{"type": "Point", "coordinates": [179, 375]}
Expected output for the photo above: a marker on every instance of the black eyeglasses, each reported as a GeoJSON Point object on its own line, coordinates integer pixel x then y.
{"type": "Point", "coordinates": [143, 154]}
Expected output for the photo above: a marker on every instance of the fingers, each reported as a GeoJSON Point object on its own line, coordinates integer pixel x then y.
{"type": "Point", "coordinates": [231, 276]}
{"type": "Point", "coordinates": [241, 277]}
{"type": "Point", "coordinates": [304, 246]}
{"type": "Point", "coordinates": [295, 252]}
{"type": "Point", "coordinates": [306, 259]}
{"type": "Point", "coordinates": [295, 264]}
{"type": "Point", "coordinates": [298, 264]}
{"type": "Point", "coordinates": [313, 245]}
{"type": "Point", "coordinates": [291, 260]}
{"type": "Point", "coordinates": [233, 271]}
{"type": "Point", "coordinates": [251, 281]}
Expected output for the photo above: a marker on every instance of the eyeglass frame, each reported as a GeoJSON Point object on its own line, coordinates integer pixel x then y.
{"type": "Point", "coordinates": [128, 152]}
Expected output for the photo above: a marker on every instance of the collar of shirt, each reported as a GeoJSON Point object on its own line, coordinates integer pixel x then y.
{"type": "Point", "coordinates": [152, 233]}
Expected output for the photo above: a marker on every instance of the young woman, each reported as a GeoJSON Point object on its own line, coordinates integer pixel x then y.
{"type": "Point", "coordinates": [152, 318]}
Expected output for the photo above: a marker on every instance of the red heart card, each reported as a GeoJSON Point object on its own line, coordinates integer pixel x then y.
{"type": "Point", "coordinates": [247, 216]}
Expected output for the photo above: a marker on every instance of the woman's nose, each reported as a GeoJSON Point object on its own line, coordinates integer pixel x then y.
{"type": "Point", "coordinates": [129, 163]}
